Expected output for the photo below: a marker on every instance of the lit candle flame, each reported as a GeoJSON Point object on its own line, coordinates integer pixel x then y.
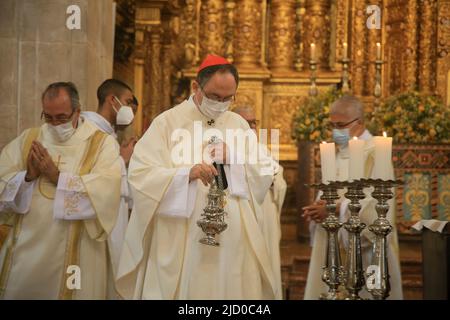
{"type": "Point", "coordinates": [324, 142]}
{"type": "Point", "coordinates": [355, 138]}
{"type": "Point", "coordinates": [384, 134]}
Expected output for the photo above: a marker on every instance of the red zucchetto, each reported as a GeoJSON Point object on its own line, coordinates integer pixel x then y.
{"type": "Point", "coordinates": [212, 60]}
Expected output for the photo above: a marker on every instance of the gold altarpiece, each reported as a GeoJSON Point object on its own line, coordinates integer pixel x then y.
{"type": "Point", "coordinates": [269, 41]}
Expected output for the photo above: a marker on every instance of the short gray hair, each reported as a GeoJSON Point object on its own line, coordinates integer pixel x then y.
{"type": "Point", "coordinates": [52, 91]}
{"type": "Point", "coordinates": [348, 105]}
{"type": "Point", "coordinates": [242, 109]}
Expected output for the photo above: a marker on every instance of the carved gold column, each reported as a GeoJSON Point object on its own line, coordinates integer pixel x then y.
{"type": "Point", "coordinates": [373, 36]}
{"type": "Point", "coordinates": [247, 34]}
{"type": "Point", "coordinates": [317, 30]}
{"type": "Point", "coordinates": [189, 34]}
{"type": "Point", "coordinates": [443, 51]}
{"type": "Point", "coordinates": [212, 29]}
{"type": "Point", "coordinates": [167, 53]}
{"type": "Point", "coordinates": [341, 21]}
{"type": "Point", "coordinates": [230, 6]}
{"type": "Point", "coordinates": [282, 35]}
{"type": "Point", "coordinates": [299, 16]}
{"type": "Point", "coordinates": [358, 43]}
{"type": "Point", "coordinates": [139, 57]}
{"type": "Point", "coordinates": [410, 68]}
{"type": "Point", "coordinates": [427, 45]}
{"type": "Point", "coordinates": [155, 74]}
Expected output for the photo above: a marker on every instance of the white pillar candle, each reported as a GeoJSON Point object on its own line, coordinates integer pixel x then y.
{"type": "Point", "coordinates": [356, 162]}
{"type": "Point", "coordinates": [313, 52]}
{"type": "Point", "coordinates": [383, 157]}
{"type": "Point", "coordinates": [328, 162]}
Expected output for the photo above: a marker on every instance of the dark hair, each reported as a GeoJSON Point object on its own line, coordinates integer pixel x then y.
{"type": "Point", "coordinates": [135, 101]}
{"type": "Point", "coordinates": [204, 75]}
{"type": "Point", "coordinates": [52, 91]}
{"type": "Point", "coordinates": [110, 86]}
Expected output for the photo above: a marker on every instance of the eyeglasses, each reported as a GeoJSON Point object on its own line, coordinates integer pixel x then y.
{"type": "Point", "coordinates": [340, 125]}
{"type": "Point", "coordinates": [59, 119]}
{"type": "Point", "coordinates": [216, 98]}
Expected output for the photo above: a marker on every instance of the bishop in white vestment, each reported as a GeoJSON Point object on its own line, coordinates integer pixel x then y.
{"type": "Point", "coordinates": [162, 257]}
{"type": "Point", "coordinates": [273, 203]}
{"type": "Point", "coordinates": [56, 247]}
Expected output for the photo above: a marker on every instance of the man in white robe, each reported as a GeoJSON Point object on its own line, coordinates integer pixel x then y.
{"type": "Point", "coordinates": [273, 203]}
{"type": "Point", "coordinates": [116, 109]}
{"type": "Point", "coordinates": [347, 119]}
{"type": "Point", "coordinates": [59, 192]}
{"type": "Point", "coordinates": [162, 257]}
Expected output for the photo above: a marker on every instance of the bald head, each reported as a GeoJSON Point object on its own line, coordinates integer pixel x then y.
{"type": "Point", "coordinates": [248, 114]}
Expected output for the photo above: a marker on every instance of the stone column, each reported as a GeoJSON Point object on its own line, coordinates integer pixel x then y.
{"type": "Point", "coordinates": [37, 48]}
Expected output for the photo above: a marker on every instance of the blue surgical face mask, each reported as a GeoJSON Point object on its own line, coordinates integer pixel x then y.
{"type": "Point", "coordinates": [341, 136]}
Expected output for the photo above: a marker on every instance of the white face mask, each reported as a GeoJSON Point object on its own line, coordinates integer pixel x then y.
{"type": "Point", "coordinates": [125, 114]}
{"type": "Point", "coordinates": [213, 109]}
{"type": "Point", "coordinates": [62, 132]}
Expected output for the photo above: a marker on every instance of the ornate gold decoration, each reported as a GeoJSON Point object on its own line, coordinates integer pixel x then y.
{"type": "Point", "coordinates": [282, 31]}
{"type": "Point", "coordinates": [373, 36]}
{"type": "Point", "coordinates": [299, 16]}
{"type": "Point", "coordinates": [247, 34]}
{"type": "Point", "coordinates": [427, 45]}
{"type": "Point", "coordinates": [410, 68]}
{"type": "Point", "coordinates": [279, 32]}
{"type": "Point", "coordinates": [395, 51]}
{"type": "Point", "coordinates": [358, 43]}
{"type": "Point", "coordinates": [189, 30]}
{"type": "Point", "coordinates": [155, 75]}
{"type": "Point", "coordinates": [230, 6]}
{"type": "Point", "coordinates": [139, 58]}
{"type": "Point", "coordinates": [443, 50]}
{"type": "Point", "coordinates": [282, 109]}
{"type": "Point", "coordinates": [341, 32]}
{"type": "Point", "coordinates": [317, 30]}
{"type": "Point", "coordinates": [211, 28]}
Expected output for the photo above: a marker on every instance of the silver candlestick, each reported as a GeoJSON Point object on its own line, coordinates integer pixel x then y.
{"type": "Point", "coordinates": [333, 272]}
{"type": "Point", "coordinates": [378, 272]}
{"type": "Point", "coordinates": [354, 273]}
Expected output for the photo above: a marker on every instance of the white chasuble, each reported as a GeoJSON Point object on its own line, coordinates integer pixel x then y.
{"type": "Point", "coordinates": [56, 247]}
{"type": "Point", "coordinates": [162, 257]}
{"type": "Point", "coordinates": [314, 284]}
{"type": "Point", "coordinates": [273, 203]}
